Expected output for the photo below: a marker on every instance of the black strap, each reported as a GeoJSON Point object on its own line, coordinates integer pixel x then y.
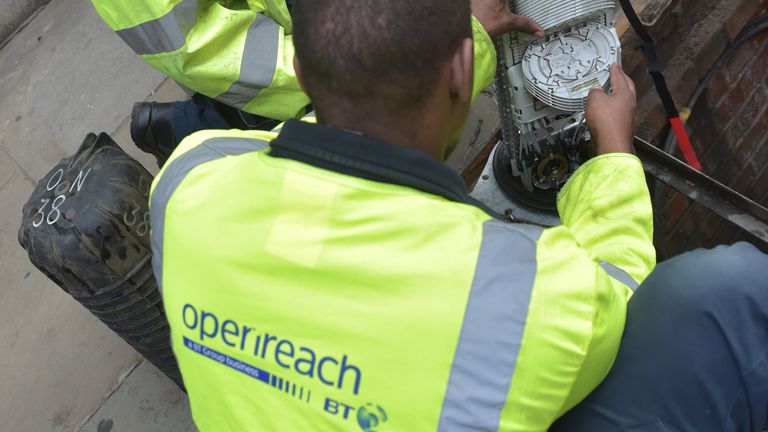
{"type": "Point", "coordinates": [652, 58]}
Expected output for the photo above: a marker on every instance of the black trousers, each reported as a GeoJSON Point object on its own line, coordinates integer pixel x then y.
{"type": "Point", "coordinates": [203, 113]}
{"type": "Point", "coordinates": [694, 356]}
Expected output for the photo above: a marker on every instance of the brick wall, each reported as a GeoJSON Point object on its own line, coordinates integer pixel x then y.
{"type": "Point", "coordinates": [729, 125]}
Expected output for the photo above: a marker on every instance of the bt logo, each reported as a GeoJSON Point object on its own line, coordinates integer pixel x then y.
{"type": "Point", "coordinates": [370, 417]}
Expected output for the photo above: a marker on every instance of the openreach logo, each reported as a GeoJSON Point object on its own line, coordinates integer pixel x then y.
{"type": "Point", "coordinates": [370, 417]}
{"type": "Point", "coordinates": [290, 368]}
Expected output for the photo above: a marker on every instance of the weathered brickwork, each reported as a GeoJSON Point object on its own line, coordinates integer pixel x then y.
{"type": "Point", "coordinates": [729, 125]}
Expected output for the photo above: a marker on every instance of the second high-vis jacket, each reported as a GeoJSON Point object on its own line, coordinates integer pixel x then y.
{"type": "Point", "coordinates": [240, 53]}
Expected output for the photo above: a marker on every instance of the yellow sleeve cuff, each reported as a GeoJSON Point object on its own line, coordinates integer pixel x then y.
{"type": "Point", "coordinates": [485, 58]}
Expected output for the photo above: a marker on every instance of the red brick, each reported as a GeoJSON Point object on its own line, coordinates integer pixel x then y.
{"type": "Point", "coordinates": [740, 60]}
{"type": "Point", "coordinates": [714, 157]}
{"type": "Point", "coordinates": [744, 180]}
{"type": "Point", "coordinates": [733, 99]}
{"type": "Point", "coordinates": [759, 186]}
{"type": "Point", "coordinates": [674, 210]}
{"type": "Point", "coordinates": [644, 87]}
{"type": "Point", "coordinates": [719, 87]}
{"type": "Point", "coordinates": [725, 233]}
{"type": "Point", "coordinates": [689, 224]}
{"type": "Point", "coordinates": [758, 70]}
{"type": "Point", "coordinates": [704, 128]}
{"type": "Point", "coordinates": [752, 76]}
{"type": "Point", "coordinates": [684, 86]}
{"type": "Point", "coordinates": [752, 146]}
{"type": "Point", "coordinates": [728, 171]}
{"type": "Point", "coordinates": [710, 51]}
{"type": "Point", "coordinates": [710, 226]}
{"type": "Point", "coordinates": [760, 39]}
{"type": "Point", "coordinates": [632, 58]}
{"type": "Point", "coordinates": [727, 127]}
{"type": "Point", "coordinates": [652, 121]}
{"type": "Point", "coordinates": [743, 119]}
{"type": "Point", "coordinates": [676, 243]}
{"type": "Point", "coordinates": [740, 16]}
{"type": "Point", "coordinates": [764, 198]}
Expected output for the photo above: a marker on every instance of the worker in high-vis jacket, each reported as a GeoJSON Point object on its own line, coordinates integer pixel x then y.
{"type": "Point", "coordinates": [237, 56]}
{"type": "Point", "coordinates": [334, 275]}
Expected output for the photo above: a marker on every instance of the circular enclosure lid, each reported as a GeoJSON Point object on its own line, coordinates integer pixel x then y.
{"type": "Point", "coordinates": [561, 71]}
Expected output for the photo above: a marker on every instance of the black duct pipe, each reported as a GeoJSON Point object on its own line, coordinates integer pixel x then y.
{"type": "Point", "coordinates": [86, 227]}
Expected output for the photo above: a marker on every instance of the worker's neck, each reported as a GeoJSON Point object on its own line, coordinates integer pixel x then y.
{"type": "Point", "coordinates": [413, 131]}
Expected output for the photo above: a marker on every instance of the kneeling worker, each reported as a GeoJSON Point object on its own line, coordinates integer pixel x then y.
{"type": "Point", "coordinates": [337, 276]}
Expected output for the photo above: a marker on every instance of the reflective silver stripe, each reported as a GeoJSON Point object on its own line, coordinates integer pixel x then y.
{"type": "Point", "coordinates": [258, 64]}
{"type": "Point", "coordinates": [490, 339]}
{"type": "Point", "coordinates": [620, 275]}
{"type": "Point", "coordinates": [173, 176]}
{"type": "Point", "coordinates": [165, 34]}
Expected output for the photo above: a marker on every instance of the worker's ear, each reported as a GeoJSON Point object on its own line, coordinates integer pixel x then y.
{"type": "Point", "coordinates": [299, 73]}
{"type": "Point", "coordinates": [462, 71]}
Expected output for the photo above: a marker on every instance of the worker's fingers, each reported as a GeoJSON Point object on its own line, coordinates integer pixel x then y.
{"type": "Point", "coordinates": [618, 79]}
{"type": "Point", "coordinates": [631, 85]}
{"type": "Point", "coordinates": [523, 24]}
{"type": "Point", "coordinates": [595, 95]}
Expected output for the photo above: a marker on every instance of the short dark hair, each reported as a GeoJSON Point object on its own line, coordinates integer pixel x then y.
{"type": "Point", "coordinates": [386, 51]}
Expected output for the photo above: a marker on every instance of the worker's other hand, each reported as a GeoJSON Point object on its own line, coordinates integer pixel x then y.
{"type": "Point", "coordinates": [611, 118]}
{"type": "Point", "coordinates": [497, 19]}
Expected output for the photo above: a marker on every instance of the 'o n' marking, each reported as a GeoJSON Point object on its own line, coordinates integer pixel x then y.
{"type": "Point", "coordinates": [58, 175]}
{"type": "Point", "coordinates": [79, 180]}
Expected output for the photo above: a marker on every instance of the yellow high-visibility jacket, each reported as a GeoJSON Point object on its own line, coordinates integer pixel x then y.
{"type": "Point", "coordinates": [236, 51]}
{"type": "Point", "coordinates": [239, 53]}
{"type": "Point", "coordinates": [321, 280]}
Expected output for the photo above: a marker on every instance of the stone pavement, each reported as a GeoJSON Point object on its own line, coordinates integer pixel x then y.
{"type": "Point", "coordinates": [147, 401]}
{"type": "Point", "coordinates": [63, 75]}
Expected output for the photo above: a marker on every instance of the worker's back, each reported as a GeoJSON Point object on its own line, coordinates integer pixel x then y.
{"type": "Point", "coordinates": [322, 288]}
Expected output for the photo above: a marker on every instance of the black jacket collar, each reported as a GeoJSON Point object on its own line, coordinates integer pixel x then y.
{"type": "Point", "coordinates": [357, 155]}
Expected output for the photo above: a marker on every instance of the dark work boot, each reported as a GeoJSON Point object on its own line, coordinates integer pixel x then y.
{"type": "Point", "coordinates": [152, 129]}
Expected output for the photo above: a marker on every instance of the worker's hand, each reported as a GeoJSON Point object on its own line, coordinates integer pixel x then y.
{"type": "Point", "coordinates": [497, 19]}
{"type": "Point", "coordinates": [611, 118]}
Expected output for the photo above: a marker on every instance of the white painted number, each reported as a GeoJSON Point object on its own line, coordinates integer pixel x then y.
{"type": "Point", "coordinates": [143, 228]}
{"type": "Point", "coordinates": [54, 214]}
{"type": "Point", "coordinates": [57, 176]}
{"type": "Point", "coordinates": [36, 223]}
{"type": "Point", "coordinates": [130, 218]}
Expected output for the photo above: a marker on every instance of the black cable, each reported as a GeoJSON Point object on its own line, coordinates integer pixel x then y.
{"type": "Point", "coordinates": [752, 29]}
{"type": "Point", "coordinates": [756, 26]}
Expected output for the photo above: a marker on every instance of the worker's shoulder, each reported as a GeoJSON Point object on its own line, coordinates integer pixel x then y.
{"type": "Point", "coordinates": [223, 142]}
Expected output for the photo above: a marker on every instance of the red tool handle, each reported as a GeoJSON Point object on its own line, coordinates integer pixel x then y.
{"type": "Point", "coordinates": [685, 143]}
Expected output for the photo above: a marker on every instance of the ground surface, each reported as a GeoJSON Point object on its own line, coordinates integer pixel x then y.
{"type": "Point", "coordinates": [63, 75]}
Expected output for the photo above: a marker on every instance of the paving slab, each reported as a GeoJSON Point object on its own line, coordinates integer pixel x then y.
{"type": "Point", "coordinates": [65, 74]}
{"type": "Point", "coordinates": [14, 13]}
{"type": "Point", "coordinates": [146, 401]}
{"type": "Point", "coordinates": [58, 360]}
